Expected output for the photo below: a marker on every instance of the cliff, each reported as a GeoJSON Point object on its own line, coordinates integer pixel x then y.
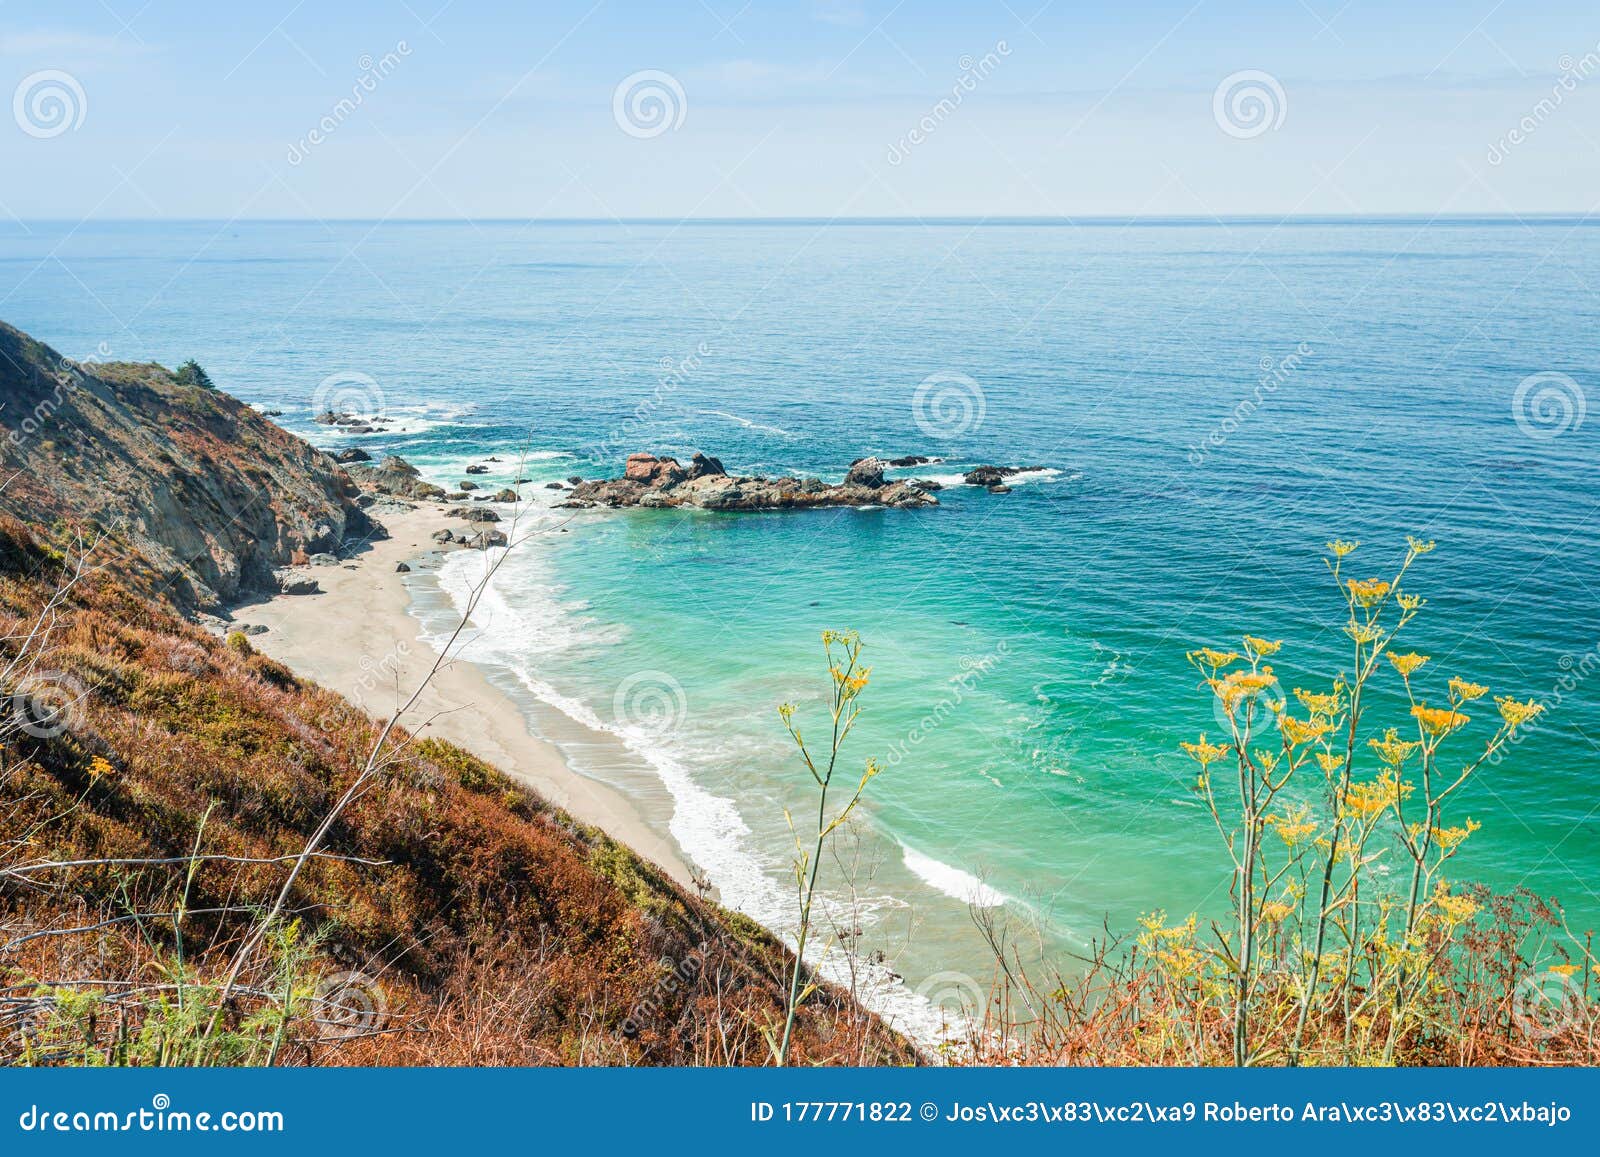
{"type": "Point", "coordinates": [203, 497]}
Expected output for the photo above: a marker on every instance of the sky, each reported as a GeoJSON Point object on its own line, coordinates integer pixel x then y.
{"type": "Point", "coordinates": [816, 108]}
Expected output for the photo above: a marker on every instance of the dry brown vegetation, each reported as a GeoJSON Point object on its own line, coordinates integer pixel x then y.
{"type": "Point", "coordinates": [480, 924]}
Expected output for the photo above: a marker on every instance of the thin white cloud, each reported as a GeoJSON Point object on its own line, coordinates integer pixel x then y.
{"type": "Point", "coordinates": [60, 45]}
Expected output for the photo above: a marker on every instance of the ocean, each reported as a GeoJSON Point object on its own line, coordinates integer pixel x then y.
{"type": "Point", "coordinates": [1202, 405]}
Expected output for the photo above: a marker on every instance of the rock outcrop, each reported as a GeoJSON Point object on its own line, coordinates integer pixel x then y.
{"type": "Point", "coordinates": [203, 497]}
{"type": "Point", "coordinates": [397, 477]}
{"type": "Point", "coordinates": [654, 482]}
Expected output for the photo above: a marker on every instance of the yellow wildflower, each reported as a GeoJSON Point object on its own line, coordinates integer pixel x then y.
{"type": "Point", "coordinates": [1418, 546]}
{"type": "Point", "coordinates": [1448, 839]}
{"type": "Point", "coordinates": [1205, 753]}
{"type": "Point", "coordinates": [1320, 703]}
{"type": "Point", "coordinates": [1563, 969]}
{"type": "Point", "coordinates": [1392, 749]}
{"type": "Point", "coordinates": [1438, 721]}
{"type": "Point", "coordinates": [1258, 648]}
{"type": "Point", "coordinates": [1515, 713]}
{"type": "Point", "coordinates": [1368, 592]}
{"type": "Point", "coordinates": [1294, 828]}
{"type": "Point", "coordinates": [1408, 663]}
{"type": "Point", "coordinates": [1372, 798]}
{"type": "Point", "coordinates": [100, 766]}
{"type": "Point", "coordinates": [1340, 547]}
{"type": "Point", "coordinates": [1329, 762]}
{"type": "Point", "coordinates": [1299, 731]}
{"type": "Point", "coordinates": [1275, 911]}
{"type": "Point", "coordinates": [1465, 691]}
{"type": "Point", "coordinates": [1454, 909]}
{"type": "Point", "coordinates": [1363, 632]}
{"type": "Point", "coordinates": [1410, 604]}
{"type": "Point", "coordinates": [1209, 657]}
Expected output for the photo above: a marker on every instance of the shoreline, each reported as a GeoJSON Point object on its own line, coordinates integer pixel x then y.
{"type": "Point", "coordinates": [358, 637]}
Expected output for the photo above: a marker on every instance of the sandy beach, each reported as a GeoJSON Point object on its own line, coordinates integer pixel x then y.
{"type": "Point", "coordinates": [359, 625]}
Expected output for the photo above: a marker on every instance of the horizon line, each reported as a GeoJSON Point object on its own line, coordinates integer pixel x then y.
{"type": "Point", "coordinates": [1575, 217]}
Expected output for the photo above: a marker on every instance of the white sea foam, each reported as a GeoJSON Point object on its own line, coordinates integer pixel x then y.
{"type": "Point", "coordinates": [748, 424]}
{"type": "Point", "coordinates": [539, 620]}
{"type": "Point", "coordinates": [952, 881]}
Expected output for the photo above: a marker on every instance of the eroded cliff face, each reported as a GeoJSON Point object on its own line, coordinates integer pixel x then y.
{"type": "Point", "coordinates": [203, 497]}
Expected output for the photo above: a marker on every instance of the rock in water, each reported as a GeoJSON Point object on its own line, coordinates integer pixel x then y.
{"type": "Point", "coordinates": [654, 482]}
{"type": "Point", "coordinates": [866, 472]}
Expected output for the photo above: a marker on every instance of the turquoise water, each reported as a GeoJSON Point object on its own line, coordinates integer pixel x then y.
{"type": "Point", "coordinates": [1044, 628]}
